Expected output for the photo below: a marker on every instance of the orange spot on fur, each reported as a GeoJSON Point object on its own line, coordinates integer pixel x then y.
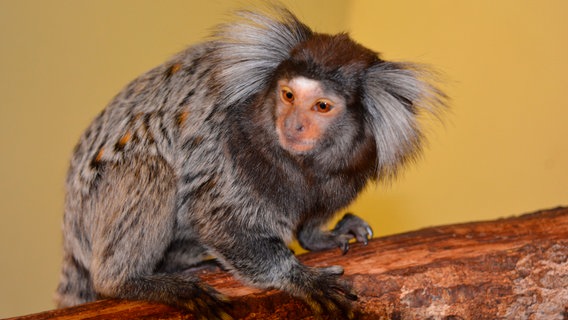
{"type": "Point", "coordinates": [182, 116]}
{"type": "Point", "coordinates": [100, 155]}
{"type": "Point", "coordinates": [125, 138]}
{"type": "Point", "coordinates": [174, 68]}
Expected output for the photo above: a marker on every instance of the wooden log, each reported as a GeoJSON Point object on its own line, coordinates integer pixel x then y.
{"type": "Point", "coordinates": [514, 268]}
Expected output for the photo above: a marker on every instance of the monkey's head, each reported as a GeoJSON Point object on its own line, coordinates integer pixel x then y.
{"type": "Point", "coordinates": [318, 94]}
{"type": "Point", "coordinates": [333, 100]}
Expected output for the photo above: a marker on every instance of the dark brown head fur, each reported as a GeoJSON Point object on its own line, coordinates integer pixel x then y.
{"type": "Point", "coordinates": [336, 59]}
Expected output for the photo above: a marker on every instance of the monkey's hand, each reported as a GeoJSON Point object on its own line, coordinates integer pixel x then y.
{"type": "Point", "coordinates": [350, 227]}
{"type": "Point", "coordinates": [266, 262]}
{"type": "Point", "coordinates": [324, 291]}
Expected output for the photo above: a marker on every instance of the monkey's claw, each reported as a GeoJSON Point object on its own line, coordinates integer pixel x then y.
{"type": "Point", "coordinates": [349, 227]}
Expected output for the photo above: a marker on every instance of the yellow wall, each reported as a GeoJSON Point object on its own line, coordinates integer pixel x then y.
{"type": "Point", "coordinates": [503, 150]}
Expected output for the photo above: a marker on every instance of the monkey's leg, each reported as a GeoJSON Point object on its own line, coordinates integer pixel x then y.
{"type": "Point", "coordinates": [265, 261]}
{"type": "Point", "coordinates": [75, 286]}
{"type": "Point", "coordinates": [134, 227]}
{"type": "Point", "coordinates": [311, 236]}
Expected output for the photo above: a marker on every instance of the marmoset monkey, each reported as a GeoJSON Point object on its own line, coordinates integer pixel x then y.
{"type": "Point", "coordinates": [230, 150]}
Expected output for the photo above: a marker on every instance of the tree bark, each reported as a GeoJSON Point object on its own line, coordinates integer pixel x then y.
{"type": "Point", "coordinates": [514, 268]}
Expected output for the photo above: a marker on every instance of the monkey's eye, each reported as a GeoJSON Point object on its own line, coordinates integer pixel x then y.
{"type": "Point", "coordinates": [323, 106]}
{"type": "Point", "coordinates": [287, 95]}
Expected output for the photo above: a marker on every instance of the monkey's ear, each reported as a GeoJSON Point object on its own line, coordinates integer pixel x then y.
{"type": "Point", "coordinates": [247, 52]}
{"type": "Point", "coordinates": [394, 95]}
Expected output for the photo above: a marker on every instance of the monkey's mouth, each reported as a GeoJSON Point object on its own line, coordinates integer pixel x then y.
{"type": "Point", "coordinates": [294, 144]}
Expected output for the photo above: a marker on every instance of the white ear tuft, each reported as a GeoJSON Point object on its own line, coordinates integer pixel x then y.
{"type": "Point", "coordinates": [395, 94]}
{"type": "Point", "coordinates": [248, 51]}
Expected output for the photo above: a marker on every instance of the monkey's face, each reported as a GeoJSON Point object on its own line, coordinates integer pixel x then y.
{"type": "Point", "coordinates": [305, 111]}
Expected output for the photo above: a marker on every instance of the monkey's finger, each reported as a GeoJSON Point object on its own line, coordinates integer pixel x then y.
{"type": "Point", "coordinates": [329, 304]}
{"type": "Point", "coordinates": [342, 287]}
{"type": "Point", "coordinates": [347, 293]}
{"type": "Point", "coordinates": [369, 232]}
{"type": "Point", "coordinates": [222, 315]}
{"type": "Point", "coordinates": [363, 234]}
{"type": "Point", "coordinates": [342, 241]}
{"type": "Point", "coordinates": [345, 290]}
{"type": "Point", "coordinates": [344, 247]}
{"type": "Point", "coordinates": [208, 303]}
{"type": "Point", "coordinates": [332, 271]}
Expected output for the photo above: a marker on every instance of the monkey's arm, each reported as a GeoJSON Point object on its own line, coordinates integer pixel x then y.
{"type": "Point", "coordinates": [313, 238]}
{"type": "Point", "coordinates": [264, 260]}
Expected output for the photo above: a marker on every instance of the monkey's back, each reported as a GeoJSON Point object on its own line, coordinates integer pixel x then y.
{"type": "Point", "coordinates": [146, 116]}
{"type": "Point", "coordinates": [157, 116]}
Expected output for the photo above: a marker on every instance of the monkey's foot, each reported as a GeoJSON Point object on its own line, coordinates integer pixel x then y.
{"type": "Point", "coordinates": [349, 227]}
{"type": "Point", "coordinates": [327, 294]}
{"type": "Point", "coordinates": [205, 302]}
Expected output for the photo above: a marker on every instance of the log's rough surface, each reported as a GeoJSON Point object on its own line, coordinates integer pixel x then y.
{"type": "Point", "coordinates": [514, 268]}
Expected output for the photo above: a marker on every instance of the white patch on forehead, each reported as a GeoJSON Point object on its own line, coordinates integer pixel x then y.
{"type": "Point", "coordinates": [309, 85]}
